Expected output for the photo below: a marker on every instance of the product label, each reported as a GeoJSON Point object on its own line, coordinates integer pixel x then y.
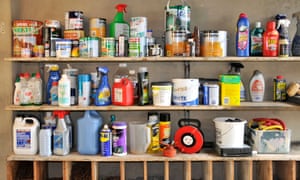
{"type": "Point", "coordinates": [119, 141]}
{"type": "Point", "coordinates": [257, 90]}
{"type": "Point", "coordinates": [121, 29]}
{"type": "Point", "coordinates": [58, 141]}
{"type": "Point", "coordinates": [272, 44]}
{"type": "Point", "coordinates": [23, 139]}
{"type": "Point", "coordinates": [104, 95]}
{"type": "Point", "coordinates": [256, 45]}
{"type": "Point", "coordinates": [243, 34]}
{"type": "Point", "coordinates": [118, 92]}
{"type": "Point", "coordinates": [106, 143]}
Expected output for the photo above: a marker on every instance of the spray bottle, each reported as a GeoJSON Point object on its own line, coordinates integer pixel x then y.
{"type": "Point", "coordinates": [282, 27]}
{"type": "Point", "coordinates": [296, 40]}
{"type": "Point", "coordinates": [119, 26]}
{"type": "Point", "coordinates": [54, 75]}
{"type": "Point", "coordinates": [103, 94]}
{"type": "Point", "coordinates": [235, 68]}
{"type": "Point", "coordinates": [61, 144]}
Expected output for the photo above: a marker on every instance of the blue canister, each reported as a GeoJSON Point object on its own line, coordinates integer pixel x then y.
{"type": "Point", "coordinates": [84, 89]}
{"type": "Point", "coordinates": [106, 141]}
{"type": "Point", "coordinates": [119, 133]}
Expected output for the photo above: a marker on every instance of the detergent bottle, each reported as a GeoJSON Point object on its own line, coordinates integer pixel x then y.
{"type": "Point", "coordinates": [61, 144]}
{"type": "Point", "coordinates": [270, 40]}
{"type": "Point", "coordinates": [37, 88]}
{"type": "Point", "coordinates": [17, 91]}
{"type": "Point", "coordinates": [257, 86]}
{"type": "Point", "coordinates": [54, 75]}
{"type": "Point", "coordinates": [88, 131]}
{"type": "Point", "coordinates": [296, 40]}
{"type": "Point", "coordinates": [103, 94]}
{"type": "Point", "coordinates": [243, 36]}
{"type": "Point", "coordinates": [256, 40]}
{"type": "Point", "coordinates": [235, 68]}
{"type": "Point", "coordinates": [282, 27]}
{"type": "Point", "coordinates": [119, 26]}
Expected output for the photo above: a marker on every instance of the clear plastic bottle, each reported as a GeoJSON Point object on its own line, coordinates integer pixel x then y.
{"type": "Point", "coordinates": [122, 72]}
{"type": "Point", "coordinates": [45, 141]}
{"type": "Point", "coordinates": [70, 128]}
{"type": "Point", "coordinates": [37, 89]}
{"type": "Point", "coordinates": [64, 91]}
{"type": "Point", "coordinates": [133, 78]}
{"type": "Point", "coordinates": [17, 92]}
{"type": "Point", "coordinates": [26, 91]}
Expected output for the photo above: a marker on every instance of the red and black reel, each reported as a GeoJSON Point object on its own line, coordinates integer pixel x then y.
{"type": "Point", "coordinates": [189, 137]}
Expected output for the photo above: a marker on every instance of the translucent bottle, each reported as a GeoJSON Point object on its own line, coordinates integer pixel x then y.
{"type": "Point", "coordinates": [122, 72]}
{"type": "Point", "coordinates": [17, 92]}
{"type": "Point", "coordinates": [64, 91]}
{"type": "Point", "coordinates": [133, 78]}
{"type": "Point", "coordinates": [54, 93]}
{"type": "Point", "coordinates": [45, 141]}
{"type": "Point", "coordinates": [37, 89]}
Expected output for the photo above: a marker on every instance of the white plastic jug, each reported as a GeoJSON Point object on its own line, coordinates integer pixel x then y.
{"type": "Point", "coordinates": [25, 135]}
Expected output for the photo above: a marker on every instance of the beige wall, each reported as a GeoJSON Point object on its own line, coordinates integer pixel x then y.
{"type": "Point", "coordinates": [207, 14]}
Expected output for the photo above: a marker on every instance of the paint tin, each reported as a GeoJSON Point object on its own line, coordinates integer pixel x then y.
{"type": "Point", "coordinates": [108, 47]}
{"type": "Point", "coordinates": [213, 43]}
{"type": "Point", "coordinates": [213, 94]}
{"type": "Point", "coordinates": [84, 89]}
{"type": "Point", "coordinates": [185, 92]}
{"type": "Point", "coordinates": [134, 47]}
{"type": "Point", "coordinates": [138, 27]}
{"type": "Point", "coordinates": [63, 48]}
{"type": "Point", "coordinates": [38, 51]}
{"type": "Point", "coordinates": [106, 141]}
{"type": "Point", "coordinates": [73, 34]}
{"type": "Point", "coordinates": [89, 47]}
{"type": "Point", "coordinates": [98, 27]}
{"type": "Point", "coordinates": [177, 17]}
{"type": "Point", "coordinates": [119, 133]}
{"type": "Point", "coordinates": [26, 34]}
{"type": "Point", "coordinates": [74, 20]}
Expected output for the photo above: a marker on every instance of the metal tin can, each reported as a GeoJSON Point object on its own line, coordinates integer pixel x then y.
{"type": "Point", "coordinates": [73, 34]}
{"type": "Point", "coordinates": [63, 48]}
{"type": "Point", "coordinates": [108, 47]}
{"type": "Point", "coordinates": [138, 27]}
{"type": "Point", "coordinates": [89, 47]}
{"type": "Point", "coordinates": [213, 43]}
{"type": "Point", "coordinates": [134, 46]}
{"type": "Point", "coordinates": [74, 20]}
{"type": "Point", "coordinates": [98, 27]}
{"type": "Point", "coordinates": [122, 46]}
{"type": "Point", "coordinates": [84, 89]}
{"type": "Point", "coordinates": [279, 89]}
{"type": "Point", "coordinates": [213, 94]}
{"type": "Point", "coordinates": [119, 134]}
{"type": "Point", "coordinates": [205, 94]}
{"type": "Point", "coordinates": [106, 141]}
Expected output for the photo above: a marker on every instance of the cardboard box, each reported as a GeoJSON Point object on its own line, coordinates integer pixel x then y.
{"type": "Point", "coordinates": [230, 89]}
{"type": "Point", "coordinates": [270, 141]}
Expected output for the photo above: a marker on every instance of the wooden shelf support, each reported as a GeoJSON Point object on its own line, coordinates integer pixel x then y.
{"type": "Point", "coordinates": [208, 170]}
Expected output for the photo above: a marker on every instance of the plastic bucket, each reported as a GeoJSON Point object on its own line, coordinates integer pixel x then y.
{"type": "Point", "coordinates": [185, 92]}
{"type": "Point", "coordinates": [229, 133]}
{"type": "Point", "coordinates": [162, 93]}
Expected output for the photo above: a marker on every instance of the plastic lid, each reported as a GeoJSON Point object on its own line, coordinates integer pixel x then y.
{"type": "Point", "coordinates": [54, 83]}
{"type": "Point", "coordinates": [243, 15]}
{"type": "Point", "coordinates": [279, 77]}
{"type": "Point", "coordinates": [258, 24]}
{"type": "Point", "coordinates": [121, 7]}
{"type": "Point", "coordinates": [164, 117]}
{"type": "Point", "coordinates": [119, 125]}
{"type": "Point", "coordinates": [143, 69]}
{"type": "Point", "coordinates": [131, 71]}
{"type": "Point", "coordinates": [38, 75]}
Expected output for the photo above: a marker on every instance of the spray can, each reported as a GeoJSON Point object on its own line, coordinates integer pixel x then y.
{"type": "Point", "coordinates": [143, 86]}
{"type": "Point", "coordinates": [243, 36]}
{"type": "Point", "coordinates": [106, 141]}
{"type": "Point", "coordinates": [119, 134]}
{"type": "Point", "coordinates": [164, 129]}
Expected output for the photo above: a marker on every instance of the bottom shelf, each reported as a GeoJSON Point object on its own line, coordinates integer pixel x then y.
{"type": "Point", "coordinates": [202, 166]}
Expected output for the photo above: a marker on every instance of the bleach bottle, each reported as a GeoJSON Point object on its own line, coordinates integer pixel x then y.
{"type": "Point", "coordinates": [61, 143]}
{"type": "Point", "coordinates": [103, 94]}
{"type": "Point", "coordinates": [54, 75]}
{"type": "Point", "coordinates": [243, 36]}
{"type": "Point", "coordinates": [88, 129]}
{"type": "Point", "coordinates": [119, 26]}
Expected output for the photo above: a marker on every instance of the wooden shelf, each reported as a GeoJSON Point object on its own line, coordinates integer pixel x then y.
{"type": "Point", "coordinates": [249, 106]}
{"type": "Point", "coordinates": [154, 59]}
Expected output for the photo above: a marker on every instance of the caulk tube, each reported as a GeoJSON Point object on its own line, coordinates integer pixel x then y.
{"type": "Point", "coordinates": [61, 143]}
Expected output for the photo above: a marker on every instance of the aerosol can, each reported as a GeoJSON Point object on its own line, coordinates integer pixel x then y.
{"type": "Point", "coordinates": [296, 40]}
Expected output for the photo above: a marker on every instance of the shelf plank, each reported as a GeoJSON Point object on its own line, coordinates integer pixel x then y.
{"type": "Point", "coordinates": [250, 106]}
{"type": "Point", "coordinates": [154, 59]}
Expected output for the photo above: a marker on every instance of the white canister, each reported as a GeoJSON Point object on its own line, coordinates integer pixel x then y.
{"type": "Point", "coordinates": [63, 48]}
{"type": "Point", "coordinates": [185, 92]}
{"type": "Point", "coordinates": [45, 141]}
{"type": "Point", "coordinates": [162, 93]}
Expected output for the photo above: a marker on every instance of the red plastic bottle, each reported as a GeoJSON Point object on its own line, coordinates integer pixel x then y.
{"type": "Point", "coordinates": [123, 93]}
{"type": "Point", "coordinates": [270, 40]}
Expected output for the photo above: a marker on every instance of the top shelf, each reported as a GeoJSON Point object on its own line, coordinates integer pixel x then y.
{"type": "Point", "coordinates": [153, 59]}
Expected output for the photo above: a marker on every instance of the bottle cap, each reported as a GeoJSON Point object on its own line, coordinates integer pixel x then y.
{"type": "Point", "coordinates": [258, 24]}
{"type": "Point", "coordinates": [243, 15]}
{"type": "Point", "coordinates": [121, 7]}
{"type": "Point", "coordinates": [279, 77]}
{"type": "Point", "coordinates": [271, 25]}
{"type": "Point", "coordinates": [164, 117]}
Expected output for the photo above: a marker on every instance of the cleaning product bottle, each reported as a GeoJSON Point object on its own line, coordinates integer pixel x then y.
{"type": "Point", "coordinates": [122, 72]}
{"type": "Point", "coordinates": [122, 92]}
{"type": "Point", "coordinates": [119, 26]}
{"type": "Point", "coordinates": [54, 93]}
{"type": "Point", "coordinates": [54, 75]}
{"type": "Point", "coordinates": [283, 44]}
{"type": "Point", "coordinates": [61, 145]}
{"type": "Point", "coordinates": [256, 40]}
{"type": "Point", "coordinates": [37, 89]}
{"type": "Point", "coordinates": [17, 91]}
{"type": "Point", "coordinates": [153, 124]}
{"type": "Point", "coordinates": [134, 80]}
{"type": "Point", "coordinates": [243, 36]}
{"type": "Point", "coordinates": [143, 86]}
{"type": "Point", "coordinates": [235, 68]}
{"type": "Point", "coordinates": [164, 129]}
{"type": "Point", "coordinates": [45, 141]}
{"type": "Point", "coordinates": [103, 94]}
{"type": "Point", "coordinates": [270, 40]}
{"type": "Point", "coordinates": [88, 129]}
{"type": "Point", "coordinates": [64, 91]}
{"type": "Point", "coordinates": [26, 91]}
{"type": "Point", "coordinates": [70, 128]}
{"type": "Point", "coordinates": [257, 86]}
{"type": "Point", "coordinates": [296, 39]}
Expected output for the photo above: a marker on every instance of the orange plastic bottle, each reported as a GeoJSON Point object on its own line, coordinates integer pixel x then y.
{"type": "Point", "coordinates": [270, 40]}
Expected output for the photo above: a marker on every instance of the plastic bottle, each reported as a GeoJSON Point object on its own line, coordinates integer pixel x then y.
{"type": "Point", "coordinates": [236, 69]}
{"type": "Point", "coordinates": [88, 132]}
{"type": "Point", "coordinates": [143, 86]}
{"type": "Point", "coordinates": [122, 72]}
{"type": "Point", "coordinates": [54, 75]}
{"type": "Point", "coordinates": [256, 40]}
{"type": "Point", "coordinates": [61, 145]}
{"type": "Point", "coordinates": [50, 120]}
{"type": "Point", "coordinates": [296, 39]}
{"type": "Point", "coordinates": [54, 93]}
{"type": "Point", "coordinates": [119, 133]}
{"type": "Point", "coordinates": [153, 124]}
{"type": "Point", "coordinates": [122, 93]}
{"type": "Point", "coordinates": [26, 91]}
{"type": "Point", "coordinates": [270, 40]}
{"type": "Point", "coordinates": [45, 141]}
{"type": "Point", "coordinates": [64, 91]}
{"type": "Point", "coordinates": [164, 129]}
{"type": "Point", "coordinates": [106, 141]}
{"type": "Point", "coordinates": [243, 36]}
{"type": "Point", "coordinates": [134, 80]}
{"type": "Point", "coordinates": [17, 91]}
{"type": "Point", "coordinates": [103, 94]}
{"type": "Point", "coordinates": [119, 26]}
{"type": "Point", "coordinates": [284, 43]}
{"type": "Point", "coordinates": [257, 86]}
{"type": "Point", "coordinates": [37, 89]}
{"type": "Point", "coordinates": [70, 128]}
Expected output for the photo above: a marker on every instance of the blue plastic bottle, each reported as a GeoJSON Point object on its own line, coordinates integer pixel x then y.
{"type": "Point", "coordinates": [54, 75]}
{"type": "Point", "coordinates": [243, 36]}
{"type": "Point", "coordinates": [88, 129]}
{"type": "Point", "coordinates": [103, 94]}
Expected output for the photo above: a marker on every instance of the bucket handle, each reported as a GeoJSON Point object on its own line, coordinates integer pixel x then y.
{"type": "Point", "coordinates": [229, 129]}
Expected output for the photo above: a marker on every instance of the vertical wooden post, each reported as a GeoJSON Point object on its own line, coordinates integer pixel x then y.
{"type": "Point", "coordinates": [246, 171]}
{"type": "Point", "coordinates": [265, 170]}
{"type": "Point", "coordinates": [188, 170]}
{"type": "Point", "coordinates": [166, 170]}
{"type": "Point", "coordinates": [145, 170]}
{"type": "Point", "coordinates": [94, 170]}
{"type": "Point", "coordinates": [286, 169]}
{"type": "Point", "coordinates": [229, 170]}
{"type": "Point", "coordinates": [67, 170]}
{"type": "Point", "coordinates": [39, 170]}
{"type": "Point", "coordinates": [122, 170]}
{"type": "Point", "coordinates": [208, 170]}
{"type": "Point", "coordinates": [11, 167]}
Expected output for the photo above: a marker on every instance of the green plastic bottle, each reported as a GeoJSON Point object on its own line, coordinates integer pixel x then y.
{"type": "Point", "coordinates": [256, 40]}
{"type": "Point", "coordinates": [119, 26]}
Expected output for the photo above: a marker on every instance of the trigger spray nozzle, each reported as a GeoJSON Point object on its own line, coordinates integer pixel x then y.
{"type": "Point", "coordinates": [121, 7]}
{"type": "Point", "coordinates": [235, 68]}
